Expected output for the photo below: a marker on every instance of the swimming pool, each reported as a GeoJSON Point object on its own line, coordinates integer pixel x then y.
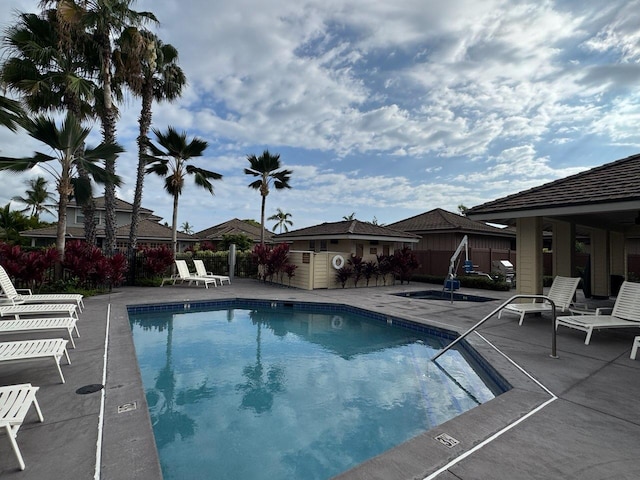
{"type": "Point", "coordinates": [254, 391]}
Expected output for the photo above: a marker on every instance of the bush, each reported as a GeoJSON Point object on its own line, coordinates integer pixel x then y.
{"type": "Point", "coordinates": [468, 281]}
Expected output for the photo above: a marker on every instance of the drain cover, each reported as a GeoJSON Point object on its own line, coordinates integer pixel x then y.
{"type": "Point", "coordinates": [93, 388]}
{"type": "Point", "coordinates": [447, 440]}
{"type": "Point", "coordinates": [127, 407]}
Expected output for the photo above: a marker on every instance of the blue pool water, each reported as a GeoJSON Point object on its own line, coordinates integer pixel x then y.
{"type": "Point", "coordinates": [282, 393]}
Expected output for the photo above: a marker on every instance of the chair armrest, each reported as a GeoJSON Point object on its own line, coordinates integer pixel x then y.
{"type": "Point", "coordinates": [604, 311]}
{"type": "Point", "coordinates": [24, 291]}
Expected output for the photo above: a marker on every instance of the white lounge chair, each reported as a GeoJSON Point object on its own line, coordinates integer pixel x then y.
{"type": "Point", "coordinates": [39, 309]}
{"type": "Point", "coordinates": [15, 402]}
{"type": "Point", "coordinates": [40, 325]}
{"type": "Point", "coordinates": [625, 313]}
{"type": "Point", "coordinates": [13, 296]}
{"type": "Point", "coordinates": [561, 292]}
{"type": "Point", "coordinates": [201, 271]}
{"type": "Point", "coordinates": [26, 350]}
{"type": "Point", "coordinates": [184, 275]}
{"type": "Point", "coordinates": [634, 348]}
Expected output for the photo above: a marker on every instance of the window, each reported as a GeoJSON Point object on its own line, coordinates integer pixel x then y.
{"type": "Point", "coordinates": [323, 245]}
{"type": "Point", "coordinates": [312, 245]}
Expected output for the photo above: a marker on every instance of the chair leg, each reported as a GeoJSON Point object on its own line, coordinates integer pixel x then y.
{"type": "Point", "coordinates": [14, 445]}
{"type": "Point", "coordinates": [588, 339]}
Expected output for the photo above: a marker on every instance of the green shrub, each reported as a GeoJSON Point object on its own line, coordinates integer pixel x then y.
{"type": "Point", "coordinates": [468, 281]}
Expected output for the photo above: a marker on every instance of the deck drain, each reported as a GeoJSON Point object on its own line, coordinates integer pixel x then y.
{"type": "Point", "coordinates": [447, 440]}
{"type": "Point", "coordinates": [127, 407]}
{"type": "Point", "coordinates": [93, 388]}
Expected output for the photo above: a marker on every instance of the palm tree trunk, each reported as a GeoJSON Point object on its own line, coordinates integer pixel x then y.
{"type": "Point", "coordinates": [264, 201]}
{"type": "Point", "coordinates": [109, 135]}
{"type": "Point", "coordinates": [145, 123]}
{"type": "Point", "coordinates": [174, 226]}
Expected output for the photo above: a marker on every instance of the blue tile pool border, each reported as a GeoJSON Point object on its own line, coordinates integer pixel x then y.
{"type": "Point", "coordinates": [447, 335]}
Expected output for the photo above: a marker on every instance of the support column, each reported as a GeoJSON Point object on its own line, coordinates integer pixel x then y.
{"type": "Point", "coordinates": [564, 248]}
{"type": "Point", "coordinates": [617, 260]}
{"type": "Point", "coordinates": [529, 256]}
{"type": "Point", "coordinates": [599, 263]}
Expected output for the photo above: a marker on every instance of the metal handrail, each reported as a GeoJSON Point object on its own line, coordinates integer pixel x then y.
{"type": "Point", "coordinates": [501, 307]}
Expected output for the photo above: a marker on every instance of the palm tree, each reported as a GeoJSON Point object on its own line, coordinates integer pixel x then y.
{"type": "Point", "coordinates": [186, 228]}
{"type": "Point", "coordinates": [10, 113]}
{"type": "Point", "coordinates": [150, 70]}
{"type": "Point", "coordinates": [266, 167]}
{"type": "Point", "coordinates": [282, 220]}
{"type": "Point", "coordinates": [171, 164]}
{"type": "Point", "coordinates": [65, 142]}
{"type": "Point", "coordinates": [35, 197]}
{"type": "Point", "coordinates": [350, 217]}
{"type": "Point", "coordinates": [11, 223]}
{"type": "Point", "coordinates": [49, 77]}
{"type": "Point", "coordinates": [103, 20]}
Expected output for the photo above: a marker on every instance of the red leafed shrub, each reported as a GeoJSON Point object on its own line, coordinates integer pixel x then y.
{"type": "Point", "coordinates": [92, 269]}
{"type": "Point", "coordinates": [27, 268]}
{"type": "Point", "coordinates": [157, 260]}
{"type": "Point", "coordinates": [273, 261]}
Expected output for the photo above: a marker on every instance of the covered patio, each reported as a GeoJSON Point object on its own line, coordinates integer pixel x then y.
{"type": "Point", "coordinates": [602, 205]}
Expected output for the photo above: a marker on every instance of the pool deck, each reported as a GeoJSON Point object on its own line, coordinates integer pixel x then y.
{"type": "Point", "coordinates": [572, 417]}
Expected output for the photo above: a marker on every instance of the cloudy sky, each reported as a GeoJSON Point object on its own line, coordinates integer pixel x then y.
{"type": "Point", "coordinates": [385, 109]}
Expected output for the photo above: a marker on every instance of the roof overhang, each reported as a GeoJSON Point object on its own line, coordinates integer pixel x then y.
{"type": "Point", "coordinates": [379, 238]}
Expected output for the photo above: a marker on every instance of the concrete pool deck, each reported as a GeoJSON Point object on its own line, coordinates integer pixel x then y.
{"type": "Point", "coordinates": [576, 416]}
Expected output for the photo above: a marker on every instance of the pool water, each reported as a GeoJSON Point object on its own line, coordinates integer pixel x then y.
{"type": "Point", "coordinates": [279, 393]}
{"type": "Point", "coordinates": [446, 295]}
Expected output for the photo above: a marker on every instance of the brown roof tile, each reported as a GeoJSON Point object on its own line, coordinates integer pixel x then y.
{"type": "Point", "coordinates": [439, 220]}
{"type": "Point", "coordinates": [346, 228]}
{"type": "Point", "coordinates": [613, 182]}
{"type": "Point", "coordinates": [233, 227]}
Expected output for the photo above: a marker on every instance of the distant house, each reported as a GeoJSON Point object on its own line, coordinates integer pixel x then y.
{"type": "Point", "coordinates": [442, 232]}
{"type": "Point", "coordinates": [151, 233]}
{"type": "Point", "coordinates": [234, 226]}
{"type": "Point", "coordinates": [320, 250]}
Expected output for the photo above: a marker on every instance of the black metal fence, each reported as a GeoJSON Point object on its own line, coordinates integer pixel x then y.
{"type": "Point", "coordinates": [245, 267]}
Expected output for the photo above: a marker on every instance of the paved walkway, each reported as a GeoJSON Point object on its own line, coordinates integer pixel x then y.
{"type": "Point", "coordinates": [574, 417]}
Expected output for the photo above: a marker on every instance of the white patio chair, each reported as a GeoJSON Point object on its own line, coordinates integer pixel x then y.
{"type": "Point", "coordinates": [27, 350]}
{"type": "Point", "coordinates": [201, 271]}
{"type": "Point", "coordinates": [625, 314]}
{"type": "Point", "coordinates": [561, 292]}
{"type": "Point", "coordinates": [15, 402]}
{"type": "Point", "coordinates": [14, 296]}
{"type": "Point", "coordinates": [40, 325]}
{"type": "Point", "coordinates": [39, 309]}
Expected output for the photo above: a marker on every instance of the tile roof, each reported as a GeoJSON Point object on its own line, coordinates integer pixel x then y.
{"type": "Point", "coordinates": [439, 220]}
{"type": "Point", "coordinates": [120, 205]}
{"type": "Point", "coordinates": [233, 227]}
{"type": "Point", "coordinates": [346, 228]}
{"type": "Point", "coordinates": [147, 229]}
{"type": "Point", "coordinates": [613, 182]}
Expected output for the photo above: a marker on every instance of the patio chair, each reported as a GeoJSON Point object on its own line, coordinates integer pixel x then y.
{"type": "Point", "coordinates": [634, 348]}
{"type": "Point", "coordinates": [15, 402]}
{"type": "Point", "coordinates": [13, 296]}
{"type": "Point", "coordinates": [40, 325]}
{"type": "Point", "coordinates": [561, 292]}
{"type": "Point", "coordinates": [27, 350]}
{"type": "Point", "coordinates": [184, 275]}
{"type": "Point", "coordinates": [625, 314]}
{"type": "Point", "coordinates": [201, 271]}
{"type": "Point", "coordinates": [39, 309]}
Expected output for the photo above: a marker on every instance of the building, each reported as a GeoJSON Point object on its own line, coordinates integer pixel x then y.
{"type": "Point", "coordinates": [603, 203]}
{"type": "Point", "coordinates": [234, 226]}
{"type": "Point", "coordinates": [320, 250]}
{"type": "Point", "coordinates": [151, 233]}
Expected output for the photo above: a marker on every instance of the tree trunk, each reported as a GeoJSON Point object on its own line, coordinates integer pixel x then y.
{"type": "Point", "coordinates": [144, 122]}
{"type": "Point", "coordinates": [174, 226]}
{"type": "Point", "coordinates": [264, 201]}
{"type": "Point", "coordinates": [109, 135]}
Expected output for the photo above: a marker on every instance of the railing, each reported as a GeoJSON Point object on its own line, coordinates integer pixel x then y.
{"type": "Point", "coordinates": [501, 307]}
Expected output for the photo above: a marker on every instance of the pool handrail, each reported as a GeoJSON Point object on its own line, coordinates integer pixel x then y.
{"type": "Point", "coordinates": [487, 317]}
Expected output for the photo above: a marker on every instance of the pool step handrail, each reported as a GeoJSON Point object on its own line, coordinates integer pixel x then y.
{"type": "Point", "coordinates": [501, 307]}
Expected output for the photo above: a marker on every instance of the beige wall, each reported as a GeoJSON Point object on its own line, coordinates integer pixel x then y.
{"type": "Point", "coordinates": [618, 254]}
{"type": "Point", "coordinates": [599, 263]}
{"type": "Point", "coordinates": [450, 241]}
{"type": "Point", "coordinates": [529, 256]}
{"type": "Point", "coordinates": [563, 245]}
